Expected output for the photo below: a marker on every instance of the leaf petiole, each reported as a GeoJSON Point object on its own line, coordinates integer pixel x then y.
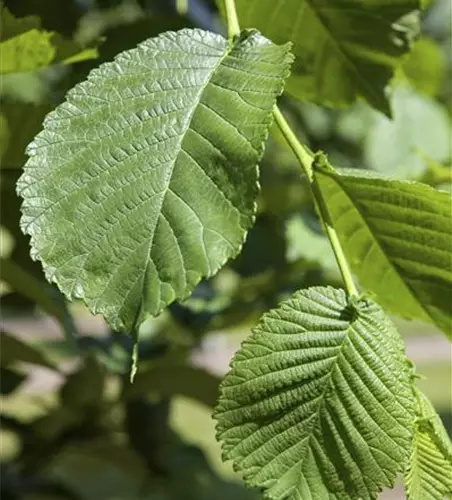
{"type": "Point", "coordinates": [306, 161]}
{"type": "Point", "coordinates": [232, 19]}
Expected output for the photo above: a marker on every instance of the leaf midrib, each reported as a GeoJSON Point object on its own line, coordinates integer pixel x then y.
{"type": "Point", "coordinates": [228, 50]}
{"type": "Point", "coordinates": [316, 416]}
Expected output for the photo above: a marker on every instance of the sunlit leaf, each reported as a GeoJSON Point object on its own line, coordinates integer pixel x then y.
{"type": "Point", "coordinates": [397, 236]}
{"type": "Point", "coordinates": [145, 179]}
{"type": "Point", "coordinates": [318, 403]}
{"type": "Point", "coordinates": [429, 472]}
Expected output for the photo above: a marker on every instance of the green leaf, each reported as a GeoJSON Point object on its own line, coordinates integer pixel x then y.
{"type": "Point", "coordinates": [14, 350]}
{"type": "Point", "coordinates": [144, 180]}
{"type": "Point", "coordinates": [48, 299]}
{"type": "Point", "coordinates": [397, 236]}
{"type": "Point", "coordinates": [398, 147]}
{"type": "Point", "coordinates": [25, 46]}
{"type": "Point", "coordinates": [318, 402]}
{"type": "Point", "coordinates": [429, 473]}
{"type": "Point", "coordinates": [344, 49]}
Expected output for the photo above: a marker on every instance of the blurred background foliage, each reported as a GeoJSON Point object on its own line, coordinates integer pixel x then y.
{"type": "Point", "coordinates": [72, 427]}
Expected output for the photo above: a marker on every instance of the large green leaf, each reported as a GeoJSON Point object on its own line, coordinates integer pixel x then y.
{"type": "Point", "coordinates": [429, 473]}
{"type": "Point", "coordinates": [145, 179]}
{"type": "Point", "coordinates": [318, 402]}
{"type": "Point", "coordinates": [25, 46]}
{"type": "Point", "coordinates": [344, 49]}
{"type": "Point", "coordinates": [397, 236]}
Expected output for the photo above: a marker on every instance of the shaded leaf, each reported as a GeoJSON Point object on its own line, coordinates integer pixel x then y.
{"type": "Point", "coordinates": [397, 236]}
{"type": "Point", "coordinates": [344, 49]}
{"type": "Point", "coordinates": [13, 350]}
{"type": "Point", "coordinates": [318, 402]}
{"type": "Point", "coordinates": [140, 173]}
{"type": "Point", "coordinates": [429, 472]}
{"type": "Point", "coordinates": [24, 121]}
{"type": "Point", "coordinates": [170, 379]}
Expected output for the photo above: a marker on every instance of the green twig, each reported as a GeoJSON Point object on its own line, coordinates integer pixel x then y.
{"type": "Point", "coordinates": [333, 238]}
{"type": "Point", "coordinates": [182, 7]}
{"type": "Point", "coordinates": [232, 19]}
{"type": "Point", "coordinates": [303, 156]}
{"type": "Point", "coordinates": [306, 161]}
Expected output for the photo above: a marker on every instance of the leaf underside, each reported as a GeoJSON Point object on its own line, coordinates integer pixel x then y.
{"type": "Point", "coordinates": [344, 49]}
{"type": "Point", "coordinates": [397, 236]}
{"type": "Point", "coordinates": [429, 473]}
{"type": "Point", "coordinates": [318, 403]}
{"type": "Point", "coordinates": [145, 179]}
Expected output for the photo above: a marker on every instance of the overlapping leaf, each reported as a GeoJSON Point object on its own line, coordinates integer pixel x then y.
{"type": "Point", "coordinates": [145, 179]}
{"type": "Point", "coordinates": [318, 402]}
{"type": "Point", "coordinates": [397, 236]}
{"type": "Point", "coordinates": [25, 46]}
{"type": "Point", "coordinates": [429, 473]}
{"type": "Point", "coordinates": [344, 49]}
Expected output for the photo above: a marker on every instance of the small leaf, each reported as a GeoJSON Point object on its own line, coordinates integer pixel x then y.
{"type": "Point", "coordinates": [14, 350]}
{"type": "Point", "coordinates": [429, 472]}
{"type": "Point", "coordinates": [344, 49]}
{"type": "Point", "coordinates": [25, 46]}
{"type": "Point", "coordinates": [144, 180]}
{"type": "Point", "coordinates": [318, 402]}
{"type": "Point", "coordinates": [397, 236]}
